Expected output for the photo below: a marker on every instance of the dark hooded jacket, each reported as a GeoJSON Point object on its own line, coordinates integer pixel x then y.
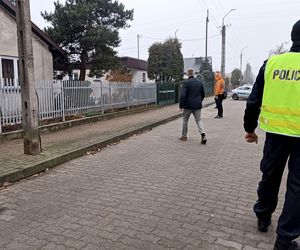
{"type": "Point", "coordinates": [192, 94]}
{"type": "Point", "coordinates": [254, 101]}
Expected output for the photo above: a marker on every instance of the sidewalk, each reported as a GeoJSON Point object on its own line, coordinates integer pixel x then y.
{"type": "Point", "coordinates": [62, 146]}
{"type": "Point", "coordinates": [150, 191]}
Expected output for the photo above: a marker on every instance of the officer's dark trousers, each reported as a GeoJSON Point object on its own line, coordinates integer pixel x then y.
{"type": "Point", "coordinates": [277, 150]}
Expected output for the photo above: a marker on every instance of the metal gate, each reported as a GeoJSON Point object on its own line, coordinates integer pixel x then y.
{"type": "Point", "coordinates": [166, 93]}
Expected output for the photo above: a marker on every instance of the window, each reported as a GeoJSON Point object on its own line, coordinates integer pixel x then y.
{"type": "Point", "coordinates": [9, 69]}
{"type": "Point", "coordinates": [74, 77]}
{"type": "Point", "coordinates": [144, 77]}
{"type": "Point", "coordinates": [8, 73]}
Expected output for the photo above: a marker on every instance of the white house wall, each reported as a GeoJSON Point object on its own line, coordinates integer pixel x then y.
{"type": "Point", "coordinates": [8, 35]}
{"type": "Point", "coordinates": [137, 76]}
{"type": "Point", "coordinates": [43, 62]}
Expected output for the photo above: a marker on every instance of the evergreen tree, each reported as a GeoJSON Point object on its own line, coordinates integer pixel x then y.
{"type": "Point", "coordinates": [248, 75]}
{"type": "Point", "coordinates": [88, 32]}
{"type": "Point", "coordinates": [236, 77]}
{"type": "Point", "coordinates": [207, 73]}
{"type": "Point", "coordinates": [165, 61]}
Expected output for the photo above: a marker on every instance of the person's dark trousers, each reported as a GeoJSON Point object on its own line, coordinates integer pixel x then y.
{"type": "Point", "coordinates": [219, 101]}
{"type": "Point", "coordinates": [277, 149]}
{"type": "Point", "coordinates": [216, 102]}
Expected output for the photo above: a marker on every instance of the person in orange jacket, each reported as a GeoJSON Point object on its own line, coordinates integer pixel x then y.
{"type": "Point", "coordinates": [219, 91]}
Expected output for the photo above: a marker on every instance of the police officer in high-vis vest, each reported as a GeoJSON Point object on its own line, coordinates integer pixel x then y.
{"type": "Point", "coordinates": [275, 102]}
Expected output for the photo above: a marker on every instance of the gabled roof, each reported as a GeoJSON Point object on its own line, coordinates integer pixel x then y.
{"type": "Point", "coordinates": [134, 63]}
{"type": "Point", "coordinates": [11, 10]}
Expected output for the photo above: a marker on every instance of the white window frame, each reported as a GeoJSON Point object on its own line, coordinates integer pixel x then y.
{"type": "Point", "coordinates": [15, 61]}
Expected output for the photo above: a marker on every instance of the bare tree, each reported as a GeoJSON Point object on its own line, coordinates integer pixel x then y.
{"type": "Point", "coordinates": [280, 49]}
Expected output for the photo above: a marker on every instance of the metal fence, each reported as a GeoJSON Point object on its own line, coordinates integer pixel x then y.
{"type": "Point", "coordinates": [166, 93]}
{"type": "Point", "coordinates": [62, 99]}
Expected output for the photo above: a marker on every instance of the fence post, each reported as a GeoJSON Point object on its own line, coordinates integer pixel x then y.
{"type": "Point", "coordinates": [102, 101]}
{"type": "Point", "coordinates": [62, 101]}
{"type": "Point", "coordinates": [146, 93]}
{"type": "Point", "coordinates": [109, 91]}
{"type": "Point", "coordinates": [157, 93]}
{"type": "Point", "coordinates": [128, 95]}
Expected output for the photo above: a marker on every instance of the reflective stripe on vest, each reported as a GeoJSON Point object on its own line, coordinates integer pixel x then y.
{"type": "Point", "coordinates": [280, 112]}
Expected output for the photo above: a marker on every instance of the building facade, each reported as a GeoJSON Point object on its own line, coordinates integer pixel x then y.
{"type": "Point", "coordinates": [43, 48]}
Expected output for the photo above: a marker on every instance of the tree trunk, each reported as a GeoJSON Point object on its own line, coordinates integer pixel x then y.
{"type": "Point", "coordinates": [83, 66]}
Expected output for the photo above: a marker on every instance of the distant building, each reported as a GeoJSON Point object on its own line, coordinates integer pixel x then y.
{"type": "Point", "coordinates": [195, 63]}
{"type": "Point", "coordinates": [136, 68]}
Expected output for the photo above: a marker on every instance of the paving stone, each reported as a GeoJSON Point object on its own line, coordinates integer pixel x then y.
{"type": "Point", "coordinates": [150, 191]}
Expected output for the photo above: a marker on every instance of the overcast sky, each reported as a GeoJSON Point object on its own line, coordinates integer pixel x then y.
{"type": "Point", "coordinates": [260, 25]}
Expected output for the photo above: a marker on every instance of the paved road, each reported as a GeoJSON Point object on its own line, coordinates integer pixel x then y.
{"type": "Point", "coordinates": [151, 191]}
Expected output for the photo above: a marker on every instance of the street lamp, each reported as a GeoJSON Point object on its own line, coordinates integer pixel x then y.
{"type": "Point", "coordinates": [223, 43]}
{"type": "Point", "coordinates": [226, 15]}
{"type": "Point", "coordinates": [241, 58]}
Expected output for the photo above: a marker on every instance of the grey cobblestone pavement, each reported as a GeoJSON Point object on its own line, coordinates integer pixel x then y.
{"type": "Point", "coordinates": [150, 191]}
{"type": "Point", "coordinates": [61, 146]}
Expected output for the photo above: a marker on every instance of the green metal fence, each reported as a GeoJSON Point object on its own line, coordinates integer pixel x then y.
{"type": "Point", "coordinates": [169, 93]}
{"type": "Point", "coordinates": [209, 88]}
{"type": "Point", "coordinates": [166, 93]}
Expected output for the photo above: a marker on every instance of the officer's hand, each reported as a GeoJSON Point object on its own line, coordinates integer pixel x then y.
{"type": "Point", "coordinates": [251, 137]}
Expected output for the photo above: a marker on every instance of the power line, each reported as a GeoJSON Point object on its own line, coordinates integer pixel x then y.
{"type": "Point", "coordinates": [203, 7]}
{"type": "Point", "coordinates": [222, 9]}
{"type": "Point", "coordinates": [199, 39]}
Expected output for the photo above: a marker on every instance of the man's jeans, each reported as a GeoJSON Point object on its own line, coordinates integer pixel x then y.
{"type": "Point", "coordinates": [197, 115]}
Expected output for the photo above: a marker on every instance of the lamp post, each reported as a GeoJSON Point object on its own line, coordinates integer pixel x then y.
{"type": "Point", "coordinates": [223, 43]}
{"type": "Point", "coordinates": [241, 58]}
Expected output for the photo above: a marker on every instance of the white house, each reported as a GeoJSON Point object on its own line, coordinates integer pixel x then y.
{"type": "Point", "coordinates": [44, 49]}
{"type": "Point", "coordinates": [136, 67]}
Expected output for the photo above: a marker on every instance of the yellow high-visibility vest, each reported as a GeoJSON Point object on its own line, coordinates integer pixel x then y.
{"type": "Point", "coordinates": [280, 111]}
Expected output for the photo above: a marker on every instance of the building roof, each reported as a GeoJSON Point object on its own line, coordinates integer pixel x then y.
{"type": "Point", "coordinates": [134, 63]}
{"type": "Point", "coordinates": [9, 7]}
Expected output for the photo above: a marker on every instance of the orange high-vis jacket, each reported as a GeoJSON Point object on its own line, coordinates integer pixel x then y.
{"type": "Point", "coordinates": [219, 85]}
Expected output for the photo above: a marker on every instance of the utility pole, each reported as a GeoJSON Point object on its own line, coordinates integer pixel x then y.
{"type": "Point", "coordinates": [176, 33]}
{"type": "Point", "coordinates": [138, 45]}
{"type": "Point", "coordinates": [223, 51]}
{"type": "Point", "coordinates": [241, 59]}
{"type": "Point", "coordinates": [31, 139]}
{"type": "Point", "coordinates": [223, 44]}
{"type": "Point", "coordinates": [206, 35]}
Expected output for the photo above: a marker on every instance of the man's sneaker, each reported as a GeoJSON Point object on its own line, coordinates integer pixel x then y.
{"type": "Point", "coordinates": [263, 226]}
{"type": "Point", "coordinates": [203, 139]}
{"type": "Point", "coordinates": [183, 138]}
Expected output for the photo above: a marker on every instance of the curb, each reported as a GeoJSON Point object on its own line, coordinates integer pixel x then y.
{"type": "Point", "coordinates": [42, 166]}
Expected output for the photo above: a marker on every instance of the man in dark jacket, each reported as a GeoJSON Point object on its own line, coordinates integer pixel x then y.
{"type": "Point", "coordinates": [282, 142]}
{"type": "Point", "coordinates": [191, 97]}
